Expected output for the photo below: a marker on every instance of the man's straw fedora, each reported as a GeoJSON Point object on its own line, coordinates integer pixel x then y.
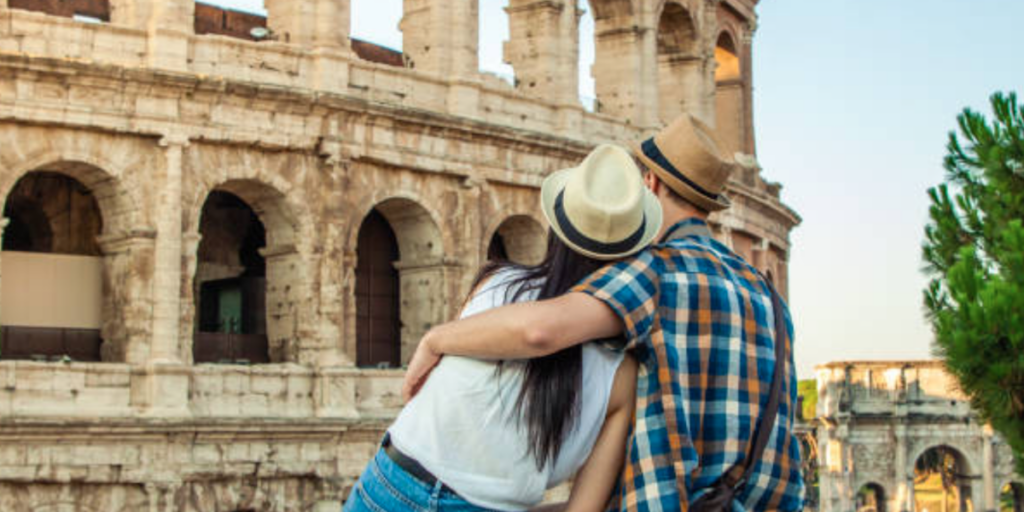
{"type": "Point", "coordinates": [686, 156]}
{"type": "Point", "coordinates": [601, 208]}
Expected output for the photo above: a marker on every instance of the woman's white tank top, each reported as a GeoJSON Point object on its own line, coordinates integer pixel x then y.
{"type": "Point", "coordinates": [462, 426]}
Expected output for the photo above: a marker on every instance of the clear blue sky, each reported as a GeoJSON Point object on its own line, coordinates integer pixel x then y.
{"type": "Point", "coordinates": [853, 103]}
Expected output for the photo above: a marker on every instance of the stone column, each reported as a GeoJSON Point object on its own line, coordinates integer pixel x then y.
{"type": "Point", "coordinates": [900, 470]}
{"type": "Point", "coordinates": [441, 36]}
{"type": "Point", "coordinates": [625, 71]}
{"type": "Point", "coordinates": [167, 273]}
{"type": "Point", "coordinates": [168, 25]}
{"type": "Point", "coordinates": [681, 80]}
{"type": "Point", "coordinates": [322, 26]}
{"type": "Point", "coordinates": [989, 498]}
{"type": "Point", "coordinates": [4, 221]}
{"type": "Point", "coordinates": [543, 48]}
{"type": "Point", "coordinates": [160, 387]}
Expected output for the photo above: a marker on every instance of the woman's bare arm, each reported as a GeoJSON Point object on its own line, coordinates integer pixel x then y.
{"type": "Point", "coordinates": [597, 478]}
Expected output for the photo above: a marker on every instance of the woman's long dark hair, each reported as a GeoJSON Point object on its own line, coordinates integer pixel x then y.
{"type": "Point", "coordinates": [548, 403]}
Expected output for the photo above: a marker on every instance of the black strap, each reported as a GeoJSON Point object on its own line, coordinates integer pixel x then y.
{"type": "Point", "coordinates": [766, 421]}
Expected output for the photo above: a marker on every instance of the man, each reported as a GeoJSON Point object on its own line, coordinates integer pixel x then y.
{"type": "Point", "coordinates": [700, 322]}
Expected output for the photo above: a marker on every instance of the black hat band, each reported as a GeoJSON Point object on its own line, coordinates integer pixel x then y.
{"type": "Point", "coordinates": [589, 244]}
{"type": "Point", "coordinates": [651, 151]}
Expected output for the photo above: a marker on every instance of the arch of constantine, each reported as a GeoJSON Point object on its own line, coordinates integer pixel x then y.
{"type": "Point", "coordinates": [899, 436]}
{"type": "Point", "coordinates": [221, 243]}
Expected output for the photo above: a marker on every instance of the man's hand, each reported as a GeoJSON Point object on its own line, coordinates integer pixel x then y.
{"type": "Point", "coordinates": [420, 366]}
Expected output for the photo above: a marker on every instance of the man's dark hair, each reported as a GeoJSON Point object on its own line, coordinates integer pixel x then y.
{"type": "Point", "coordinates": [676, 198]}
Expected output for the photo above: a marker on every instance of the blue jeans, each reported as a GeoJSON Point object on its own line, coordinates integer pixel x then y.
{"type": "Point", "coordinates": [386, 487]}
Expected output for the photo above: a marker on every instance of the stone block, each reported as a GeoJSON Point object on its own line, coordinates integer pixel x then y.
{"type": "Point", "coordinates": [107, 378]}
{"type": "Point", "coordinates": [206, 454]}
{"type": "Point", "coordinates": [269, 384]}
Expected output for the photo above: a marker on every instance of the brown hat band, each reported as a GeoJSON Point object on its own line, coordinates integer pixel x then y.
{"type": "Point", "coordinates": [589, 244]}
{"type": "Point", "coordinates": [651, 151]}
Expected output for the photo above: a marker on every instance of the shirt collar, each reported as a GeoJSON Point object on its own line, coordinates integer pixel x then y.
{"type": "Point", "coordinates": [691, 227]}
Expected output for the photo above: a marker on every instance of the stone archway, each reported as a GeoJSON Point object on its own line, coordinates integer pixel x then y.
{"type": "Point", "coordinates": [680, 64]}
{"type": "Point", "coordinates": [519, 239]}
{"type": "Point", "coordinates": [419, 269]}
{"type": "Point", "coordinates": [63, 268]}
{"type": "Point", "coordinates": [871, 497]}
{"type": "Point", "coordinates": [247, 260]}
{"type": "Point", "coordinates": [942, 481]}
{"type": "Point", "coordinates": [730, 89]}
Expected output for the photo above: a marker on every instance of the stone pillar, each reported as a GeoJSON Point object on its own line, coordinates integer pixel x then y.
{"type": "Point", "coordinates": [989, 497]}
{"type": "Point", "coordinates": [168, 25]}
{"type": "Point", "coordinates": [160, 387]}
{"type": "Point", "coordinates": [441, 37]}
{"type": "Point", "coordinates": [322, 26]}
{"type": "Point", "coordinates": [167, 273]}
{"type": "Point", "coordinates": [625, 71]}
{"type": "Point", "coordinates": [4, 221]}
{"type": "Point", "coordinates": [543, 48]}
{"type": "Point", "coordinates": [746, 61]}
{"type": "Point", "coordinates": [682, 88]}
{"type": "Point", "coordinates": [900, 470]}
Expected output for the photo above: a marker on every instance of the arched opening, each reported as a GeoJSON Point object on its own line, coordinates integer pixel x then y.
{"type": "Point", "coordinates": [726, 59]}
{"type": "Point", "coordinates": [1011, 497]}
{"type": "Point", "coordinates": [375, 33]}
{"type": "Point", "coordinates": [52, 298]}
{"type": "Point", "coordinates": [378, 324]}
{"type": "Point", "coordinates": [679, 65]}
{"type": "Point", "coordinates": [871, 498]}
{"type": "Point", "coordinates": [730, 113]}
{"type": "Point", "coordinates": [941, 481]}
{"type": "Point", "coordinates": [587, 55]}
{"type": "Point", "coordinates": [230, 287]}
{"type": "Point", "coordinates": [241, 19]}
{"type": "Point", "coordinates": [400, 281]}
{"type": "Point", "coordinates": [518, 239]}
{"type": "Point", "coordinates": [494, 33]}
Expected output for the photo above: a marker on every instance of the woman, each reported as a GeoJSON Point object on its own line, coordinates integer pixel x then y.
{"type": "Point", "coordinates": [486, 435]}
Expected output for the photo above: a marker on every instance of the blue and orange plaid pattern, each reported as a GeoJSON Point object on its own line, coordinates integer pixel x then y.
{"type": "Point", "coordinates": [699, 320]}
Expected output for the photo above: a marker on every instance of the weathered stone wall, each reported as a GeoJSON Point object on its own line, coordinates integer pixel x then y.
{"type": "Point", "coordinates": [152, 117]}
{"type": "Point", "coordinates": [876, 419]}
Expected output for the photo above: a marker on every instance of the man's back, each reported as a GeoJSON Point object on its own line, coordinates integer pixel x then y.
{"type": "Point", "coordinates": [700, 321]}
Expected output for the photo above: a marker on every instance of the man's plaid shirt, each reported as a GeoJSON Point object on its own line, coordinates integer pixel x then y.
{"type": "Point", "coordinates": [700, 322]}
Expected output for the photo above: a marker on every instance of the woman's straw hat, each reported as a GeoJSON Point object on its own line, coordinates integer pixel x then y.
{"type": "Point", "coordinates": [686, 157]}
{"type": "Point", "coordinates": [601, 208]}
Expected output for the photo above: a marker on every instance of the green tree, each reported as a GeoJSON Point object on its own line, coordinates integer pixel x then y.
{"type": "Point", "coordinates": [807, 389]}
{"type": "Point", "coordinates": [974, 255]}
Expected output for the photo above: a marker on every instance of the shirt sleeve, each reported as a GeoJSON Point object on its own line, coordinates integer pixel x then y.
{"type": "Point", "coordinates": [630, 288]}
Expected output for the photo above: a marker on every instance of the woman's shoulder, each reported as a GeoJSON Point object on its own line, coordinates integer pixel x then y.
{"type": "Point", "coordinates": [503, 286]}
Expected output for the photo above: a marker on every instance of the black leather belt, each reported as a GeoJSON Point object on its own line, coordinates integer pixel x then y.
{"type": "Point", "coordinates": [410, 465]}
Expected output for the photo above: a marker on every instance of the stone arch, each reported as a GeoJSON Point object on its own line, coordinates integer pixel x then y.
{"type": "Point", "coordinates": [871, 497]}
{"type": "Point", "coordinates": [77, 275]}
{"type": "Point", "coordinates": [727, 57]}
{"type": "Point", "coordinates": [421, 270]}
{"type": "Point", "coordinates": [272, 295]}
{"type": "Point", "coordinates": [942, 479]}
{"type": "Point", "coordinates": [679, 61]}
{"type": "Point", "coordinates": [730, 93]}
{"type": "Point", "coordinates": [518, 238]}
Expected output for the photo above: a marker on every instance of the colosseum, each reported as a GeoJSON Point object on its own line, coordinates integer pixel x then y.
{"type": "Point", "coordinates": [224, 233]}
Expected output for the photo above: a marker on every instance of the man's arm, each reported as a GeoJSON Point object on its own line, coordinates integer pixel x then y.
{"type": "Point", "coordinates": [517, 331]}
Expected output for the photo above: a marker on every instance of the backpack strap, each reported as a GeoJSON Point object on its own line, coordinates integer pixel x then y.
{"type": "Point", "coordinates": [766, 421]}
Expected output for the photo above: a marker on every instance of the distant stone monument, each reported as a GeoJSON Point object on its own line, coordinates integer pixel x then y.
{"type": "Point", "coordinates": [898, 436]}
